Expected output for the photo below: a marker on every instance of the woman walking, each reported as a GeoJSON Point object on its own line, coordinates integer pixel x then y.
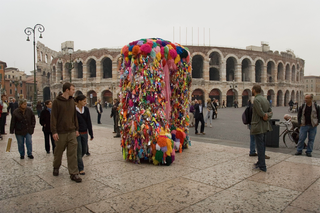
{"type": "Point", "coordinates": [210, 112]}
{"type": "Point", "coordinates": [85, 125]}
{"type": "Point", "coordinates": [4, 114]}
{"type": "Point", "coordinates": [22, 124]}
{"type": "Point", "coordinates": [45, 123]}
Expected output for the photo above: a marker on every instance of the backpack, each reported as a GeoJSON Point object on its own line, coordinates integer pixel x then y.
{"type": "Point", "coordinates": [247, 115]}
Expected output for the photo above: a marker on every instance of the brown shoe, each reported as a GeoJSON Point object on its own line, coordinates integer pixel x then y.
{"type": "Point", "coordinates": [267, 157]}
{"type": "Point", "coordinates": [55, 172]}
{"type": "Point", "coordinates": [203, 133]}
{"type": "Point", "coordinates": [75, 178]}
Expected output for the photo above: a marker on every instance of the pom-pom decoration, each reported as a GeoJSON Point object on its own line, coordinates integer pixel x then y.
{"type": "Point", "coordinates": [155, 78]}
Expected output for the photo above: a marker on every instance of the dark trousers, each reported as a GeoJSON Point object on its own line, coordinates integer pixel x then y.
{"type": "Point", "coordinates": [47, 142]}
{"type": "Point", "coordinates": [261, 149]}
{"type": "Point", "coordinates": [3, 122]}
{"type": "Point", "coordinates": [199, 118]}
{"type": "Point", "coordinates": [99, 118]}
{"type": "Point", "coordinates": [115, 123]}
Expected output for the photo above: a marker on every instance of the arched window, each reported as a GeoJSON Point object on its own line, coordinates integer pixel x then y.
{"type": "Point", "coordinates": [107, 68]}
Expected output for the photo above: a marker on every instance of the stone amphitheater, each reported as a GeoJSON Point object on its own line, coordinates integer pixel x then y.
{"type": "Point", "coordinates": [218, 72]}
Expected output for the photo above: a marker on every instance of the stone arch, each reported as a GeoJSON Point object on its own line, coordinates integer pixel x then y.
{"type": "Point", "coordinates": [280, 73]}
{"type": "Point", "coordinates": [198, 94]}
{"type": "Point", "coordinates": [232, 95]}
{"type": "Point", "coordinates": [215, 93]}
{"type": "Point", "coordinates": [197, 66]}
{"type": "Point", "coordinates": [301, 76]}
{"type": "Point", "coordinates": [279, 98]}
{"type": "Point", "coordinates": [92, 68]}
{"type": "Point", "coordinates": [271, 96]}
{"type": "Point", "coordinates": [215, 58]}
{"type": "Point", "coordinates": [287, 75]}
{"type": "Point", "coordinates": [293, 98]}
{"type": "Point", "coordinates": [298, 98]}
{"type": "Point", "coordinates": [106, 97]}
{"type": "Point", "coordinates": [60, 70]}
{"type": "Point", "coordinates": [297, 77]}
{"type": "Point", "coordinates": [231, 65]}
{"type": "Point", "coordinates": [293, 71]}
{"type": "Point", "coordinates": [106, 64]}
{"type": "Point", "coordinates": [271, 75]}
{"type": "Point", "coordinates": [91, 97]}
{"type": "Point", "coordinates": [246, 63]}
{"type": "Point", "coordinates": [79, 68]}
{"type": "Point", "coordinates": [258, 70]}
{"type": "Point", "coordinates": [286, 98]}
{"type": "Point", "coordinates": [246, 96]}
{"type": "Point", "coordinates": [46, 58]}
{"type": "Point", "coordinates": [46, 93]}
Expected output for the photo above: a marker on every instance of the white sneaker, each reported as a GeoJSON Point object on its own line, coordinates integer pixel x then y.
{"type": "Point", "coordinates": [210, 126]}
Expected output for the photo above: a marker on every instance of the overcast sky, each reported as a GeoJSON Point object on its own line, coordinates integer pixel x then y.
{"type": "Point", "coordinates": [284, 24]}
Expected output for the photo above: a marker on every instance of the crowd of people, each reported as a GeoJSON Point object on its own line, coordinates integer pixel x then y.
{"type": "Point", "coordinates": [66, 122]}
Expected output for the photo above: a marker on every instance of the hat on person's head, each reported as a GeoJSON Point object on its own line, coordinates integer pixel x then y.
{"type": "Point", "coordinates": [21, 101]}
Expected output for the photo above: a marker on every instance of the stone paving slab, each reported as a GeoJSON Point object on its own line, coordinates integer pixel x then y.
{"type": "Point", "coordinates": [207, 177]}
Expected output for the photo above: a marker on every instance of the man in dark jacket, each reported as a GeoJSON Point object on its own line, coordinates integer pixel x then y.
{"type": "Point", "coordinates": [12, 106]}
{"type": "Point", "coordinates": [99, 110]}
{"type": "Point", "coordinates": [115, 115]}
{"type": "Point", "coordinates": [198, 115]}
{"type": "Point", "coordinates": [64, 127]}
{"type": "Point", "coordinates": [22, 124]}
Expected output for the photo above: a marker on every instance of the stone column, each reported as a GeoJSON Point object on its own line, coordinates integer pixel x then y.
{"type": "Point", "coordinates": [252, 72]}
{"type": "Point", "coordinates": [275, 77]}
{"type": "Point", "coordinates": [115, 73]}
{"type": "Point", "coordinates": [98, 72]}
{"type": "Point", "coordinates": [223, 71]}
{"type": "Point", "coordinates": [65, 73]}
{"type": "Point", "coordinates": [58, 75]}
{"type": "Point", "coordinates": [264, 74]}
{"type": "Point", "coordinates": [206, 69]}
{"type": "Point", "coordinates": [85, 73]}
{"type": "Point", "coordinates": [237, 73]}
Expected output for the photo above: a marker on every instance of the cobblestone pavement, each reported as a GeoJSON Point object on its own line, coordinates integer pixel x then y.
{"type": "Point", "coordinates": [208, 177]}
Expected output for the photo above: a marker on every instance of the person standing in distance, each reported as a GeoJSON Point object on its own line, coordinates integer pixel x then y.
{"type": "Point", "coordinates": [99, 111]}
{"type": "Point", "coordinates": [308, 119]}
{"type": "Point", "coordinates": [64, 128]}
{"type": "Point", "coordinates": [261, 114]}
{"type": "Point", "coordinates": [12, 105]}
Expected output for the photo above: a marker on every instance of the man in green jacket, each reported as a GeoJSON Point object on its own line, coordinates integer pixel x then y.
{"type": "Point", "coordinates": [261, 114]}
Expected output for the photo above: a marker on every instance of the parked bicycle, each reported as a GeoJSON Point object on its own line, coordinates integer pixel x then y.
{"type": "Point", "coordinates": [290, 134]}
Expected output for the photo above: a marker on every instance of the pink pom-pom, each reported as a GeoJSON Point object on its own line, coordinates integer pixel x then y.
{"type": "Point", "coordinates": [173, 53]}
{"type": "Point", "coordinates": [145, 48]}
{"type": "Point", "coordinates": [157, 49]}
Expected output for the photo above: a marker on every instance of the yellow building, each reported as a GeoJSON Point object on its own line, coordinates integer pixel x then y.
{"type": "Point", "coordinates": [312, 86]}
{"type": "Point", "coordinates": [3, 65]}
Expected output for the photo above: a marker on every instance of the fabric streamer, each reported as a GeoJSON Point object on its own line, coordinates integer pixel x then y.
{"type": "Point", "coordinates": [155, 78]}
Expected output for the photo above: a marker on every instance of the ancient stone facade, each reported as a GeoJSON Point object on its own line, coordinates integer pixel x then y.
{"type": "Point", "coordinates": [218, 72]}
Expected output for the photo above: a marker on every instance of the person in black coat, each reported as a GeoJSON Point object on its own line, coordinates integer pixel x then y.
{"type": "Point", "coordinates": [22, 124]}
{"type": "Point", "coordinates": [45, 123]}
{"type": "Point", "coordinates": [198, 115]}
{"type": "Point", "coordinates": [85, 126]}
{"type": "Point", "coordinates": [115, 115]}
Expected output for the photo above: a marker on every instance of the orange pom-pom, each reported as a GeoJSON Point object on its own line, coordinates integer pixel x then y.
{"type": "Point", "coordinates": [135, 50]}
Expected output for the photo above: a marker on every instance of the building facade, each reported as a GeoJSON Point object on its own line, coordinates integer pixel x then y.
{"type": "Point", "coordinates": [218, 72]}
{"type": "Point", "coordinates": [3, 66]}
{"type": "Point", "coordinates": [15, 83]}
{"type": "Point", "coordinates": [312, 86]}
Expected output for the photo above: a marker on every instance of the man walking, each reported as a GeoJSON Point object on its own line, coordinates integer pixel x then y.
{"type": "Point", "coordinates": [99, 111]}
{"type": "Point", "coordinates": [198, 115]}
{"type": "Point", "coordinates": [64, 127]}
{"type": "Point", "coordinates": [261, 113]}
{"type": "Point", "coordinates": [308, 119]}
{"type": "Point", "coordinates": [12, 106]}
{"type": "Point", "coordinates": [115, 115]}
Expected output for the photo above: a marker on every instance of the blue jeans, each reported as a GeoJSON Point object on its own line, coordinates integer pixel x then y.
{"type": "Point", "coordinates": [261, 149]}
{"type": "Point", "coordinates": [252, 143]}
{"type": "Point", "coordinates": [82, 149]}
{"type": "Point", "coordinates": [304, 130]}
{"type": "Point", "coordinates": [21, 139]}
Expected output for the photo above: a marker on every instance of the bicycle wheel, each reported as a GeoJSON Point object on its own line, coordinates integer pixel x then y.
{"type": "Point", "coordinates": [288, 140]}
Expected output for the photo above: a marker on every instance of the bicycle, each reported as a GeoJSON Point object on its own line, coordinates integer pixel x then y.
{"type": "Point", "coordinates": [290, 137]}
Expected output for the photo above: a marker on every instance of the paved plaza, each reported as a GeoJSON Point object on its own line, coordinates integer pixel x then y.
{"type": "Point", "coordinates": [211, 176]}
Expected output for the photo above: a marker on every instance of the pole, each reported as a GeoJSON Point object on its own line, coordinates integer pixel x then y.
{"type": "Point", "coordinates": [70, 67]}
{"type": "Point", "coordinates": [28, 31]}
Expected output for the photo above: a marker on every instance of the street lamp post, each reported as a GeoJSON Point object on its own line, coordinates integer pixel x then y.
{"type": "Point", "coordinates": [16, 83]}
{"type": "Point", "coordinates": [233, 86]}
{"type": "Point", "coordinates": [28, 31]}
{"type": "Point", "coordinates": [70, 67]}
